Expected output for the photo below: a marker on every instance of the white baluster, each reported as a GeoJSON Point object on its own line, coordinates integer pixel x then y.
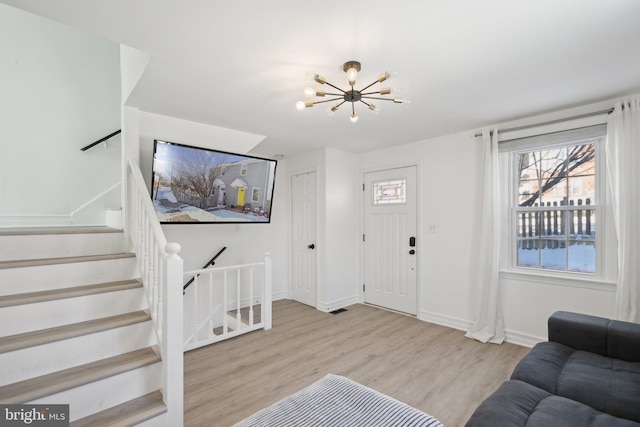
{"type": "Point", "coordinates": [196, 331]}
{"type": "Point", "coordinates": [152, 282]}
{"type": "Point", "coordinates": [238, 314]}
{"type": "Point", "coordinates": [225, 321]}
{"type": "Point", "coordinates": [157, 261]}
{"type": "Point", "coordinates": [267, 293]}
{"type": "Point", "coordinates": [211, 313]}
{"type": "Point", "coordinates": [251, 297]}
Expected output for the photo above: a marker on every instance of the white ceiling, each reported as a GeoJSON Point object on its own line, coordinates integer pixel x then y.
{"type": "Point", "coordinates": [463, 64]}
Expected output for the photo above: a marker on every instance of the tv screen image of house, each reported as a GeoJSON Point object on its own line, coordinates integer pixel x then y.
{"type": "Point", "coordinates": [192, 185]}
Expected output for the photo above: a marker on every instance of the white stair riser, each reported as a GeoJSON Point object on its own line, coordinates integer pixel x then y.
{"type": "Point", "coordinates": [99, 395]}
{"type": "Point", "coordinates": [47, 277]}
{"type": "Point", "coordinates": [44, 359]}
{"type": "Point", "coordinates": [50, 314]}
{"type": "Point", "coordinates": [60, 245]}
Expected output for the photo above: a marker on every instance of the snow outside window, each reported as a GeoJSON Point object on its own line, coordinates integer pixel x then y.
{"type": "Point", "coordinates": [555, 198]}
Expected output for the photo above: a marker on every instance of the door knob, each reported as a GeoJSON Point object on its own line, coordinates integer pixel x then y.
{"type": "Point", "coordinates": [311, 246]}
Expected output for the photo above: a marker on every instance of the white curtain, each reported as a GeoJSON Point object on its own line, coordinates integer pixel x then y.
{"type": "Point", "coordinates": [489, 324]}
{"type": "Point", "coordinates": [623, 176]}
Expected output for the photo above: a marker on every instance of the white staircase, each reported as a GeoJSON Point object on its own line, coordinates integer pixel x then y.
{"type": "Point", "coordinates": [75, 327]}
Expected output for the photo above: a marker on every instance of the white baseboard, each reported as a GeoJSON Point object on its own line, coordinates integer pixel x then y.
{"type": "Point", "coordinates": [449, 321]}
{"type": "Point", "coordinates": [519, 338]}
{"type": "Point", "coordinates": [337, 304]}
{"type": "Point", "coordinates": [32, 220]}
{"type": "Point", "coordinates": [279, 295]}
{"type": "Point", "coordinates": [511, 336]}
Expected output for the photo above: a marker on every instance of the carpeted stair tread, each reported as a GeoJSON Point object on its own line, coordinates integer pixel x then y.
{"type": "Point", "coordinates": [126, 414]}
{"type": "Point", "coordinates": [65, 260]}
{"type": "Point", "coordinates": [36, 388]}
{"type": "Point", "coordinates": [44, 336]}
{"type": "Point", "coordinates": [73, 292]}
{"type": "Point", "coordinates": [40, 231]}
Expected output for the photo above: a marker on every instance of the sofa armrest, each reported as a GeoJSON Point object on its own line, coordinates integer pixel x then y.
{"type": "Point", "coordinates": [610, 338]}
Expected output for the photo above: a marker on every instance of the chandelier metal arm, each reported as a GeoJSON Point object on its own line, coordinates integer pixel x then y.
{"type": "Point", "coordinates": [367, 87]}
{"type": "Point", "coordinates": [334, 108]}
{"type": "Point", "coordinates": [335, 87]}
{"type": "Point", "coordinates": [370, 93]}
{"type": "Point", "coordinates": [378, 97]}
{"type": "Point", "coordinates": [327, 100]}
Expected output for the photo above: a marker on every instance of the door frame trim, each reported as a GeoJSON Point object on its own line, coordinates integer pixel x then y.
{"type": "Point", "coordinates": [419, 246]}
{"type": "Point", "coordinates": [293, 173]}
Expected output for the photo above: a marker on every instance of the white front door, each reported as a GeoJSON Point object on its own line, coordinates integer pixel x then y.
{"type": "Point", "coordinates": [303, 230]}
{"type": "Point", "coordinates": [390, 239]}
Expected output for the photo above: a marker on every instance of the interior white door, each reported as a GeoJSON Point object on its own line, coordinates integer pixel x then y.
{"type": "Point", "coordinates": [303, 230]}
{"type": "Point", "coordinates": [390, 239]}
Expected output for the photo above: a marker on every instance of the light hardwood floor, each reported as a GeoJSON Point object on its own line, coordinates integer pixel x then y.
{"type": "Point", "coordinates": [430, 367]}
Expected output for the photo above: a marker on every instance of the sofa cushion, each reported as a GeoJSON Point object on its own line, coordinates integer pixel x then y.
{"type": "Point", "coordinates": [518, 404]}
{"type": "Point", "coordinates": [560, 411]}
{"type": "Point", "coordinates": [605, 384]}
{"type": "Point", "coordinates": [608, 385]}
{"type": "Point", "coordinates": [543, 365]}
{"type": "Point", "coordinates": [509, 406]}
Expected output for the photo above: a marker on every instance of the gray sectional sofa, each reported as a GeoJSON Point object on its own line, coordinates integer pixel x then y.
{"type": "Point", "coordinates": [586, 375]}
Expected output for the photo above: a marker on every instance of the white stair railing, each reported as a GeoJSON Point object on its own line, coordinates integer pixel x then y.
{"type": "Point", "coordinates": [225, 302]}
{"type": "Point", "coordinates": [161, 271]}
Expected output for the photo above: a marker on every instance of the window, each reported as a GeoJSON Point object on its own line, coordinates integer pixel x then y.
{"type": "Point", "coordinates": [555, 200]}
{"type": "Point", "coordinates": [389, 192]}
{"type": "Point", "coordinates": [255, 194]}
{"type": "Point", "coordinates": [243, 169]}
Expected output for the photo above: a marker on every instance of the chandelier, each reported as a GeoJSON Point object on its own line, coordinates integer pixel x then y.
{"type": "Point", "coordinates": [352, 95]}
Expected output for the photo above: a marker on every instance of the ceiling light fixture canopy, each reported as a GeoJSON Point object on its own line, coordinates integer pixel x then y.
{"type": "Point", "coordinates": [351, 68]}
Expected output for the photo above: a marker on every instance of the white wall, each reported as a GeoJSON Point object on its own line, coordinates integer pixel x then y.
{"type": "Point", "coordinates": [337, 224]}
{"type": "Point", "coordinates": [446, 168]}
{"type": "Point", "coordinates": [246, 243]}
{"type": "Point", "coordinates": [448, 176]}
{"type": "Point", "coordinates": [60, 91]}
{"type": "Point", "coordinates": [341, 200]}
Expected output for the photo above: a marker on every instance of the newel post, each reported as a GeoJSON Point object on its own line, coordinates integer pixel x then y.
{"type": "Point", "coordinates": [268, 295]}
{"type": "Point", "coordinates": [173, 352]}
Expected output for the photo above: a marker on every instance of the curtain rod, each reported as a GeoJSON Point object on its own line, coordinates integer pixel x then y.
{"type": "Point", "coordinates": [595, 113]}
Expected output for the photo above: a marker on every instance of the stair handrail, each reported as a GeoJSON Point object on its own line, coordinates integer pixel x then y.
{"type": "Point", "coordinates": [93, 144]}
{"type": "Point", "coordinates": [161, 271]}
{"type": "Point", "coordinates": [211, 262]}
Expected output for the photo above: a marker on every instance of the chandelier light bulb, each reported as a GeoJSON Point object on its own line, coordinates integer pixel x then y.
{"type": "Point", "coordinates": [309, 92]}
{"type": "Point", "coordinates": [301, 105]}
{"type": "Point", "coordinates": [353, 117]}
{"type": "Point", "coordinates": [352, 75]}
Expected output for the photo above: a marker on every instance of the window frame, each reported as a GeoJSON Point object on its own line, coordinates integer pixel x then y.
{"type": "Point", "coordinates": [253, 193]}
{"type": "Point", "coordinates": [510, 204]}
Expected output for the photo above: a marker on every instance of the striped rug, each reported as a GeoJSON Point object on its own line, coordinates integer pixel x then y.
{"type": "Point", "coordinates": [336, 401]}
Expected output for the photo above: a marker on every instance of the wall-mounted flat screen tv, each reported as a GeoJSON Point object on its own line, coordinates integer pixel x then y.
{"type": "Point", "coordinates": [192, 185]}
